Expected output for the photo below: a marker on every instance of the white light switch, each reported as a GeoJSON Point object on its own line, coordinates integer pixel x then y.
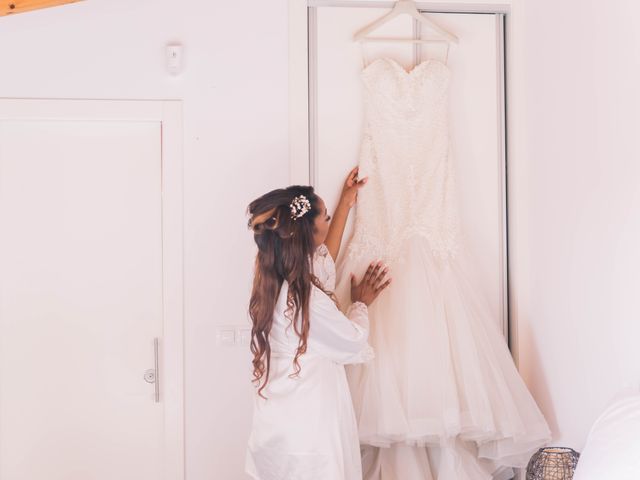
{"type": "Point", "coordinates": [226, 336]}
{"type": "Point", "coordinates": [244, 335]}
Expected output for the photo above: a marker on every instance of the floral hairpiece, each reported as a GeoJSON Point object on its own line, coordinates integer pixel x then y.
{"type": "Point", "coordinates": [299, 206]}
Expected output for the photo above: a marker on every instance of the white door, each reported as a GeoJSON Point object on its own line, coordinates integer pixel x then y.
{"type": "Point", "coordinates": [476, 119]}
{"type": "Point", "coordinates": [81, 300]}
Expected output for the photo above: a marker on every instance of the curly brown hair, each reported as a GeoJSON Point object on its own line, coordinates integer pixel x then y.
{"type": "Point", "coordinates": [285, 251]}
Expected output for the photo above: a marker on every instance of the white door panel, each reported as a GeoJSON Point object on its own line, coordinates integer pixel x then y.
{"type": "Point", "coordinates": [80, 300]}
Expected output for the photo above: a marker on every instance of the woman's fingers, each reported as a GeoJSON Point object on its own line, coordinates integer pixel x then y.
{"type": "Point", "coordinates": [373, 282]}
{"type": "Point", "coordinates": [383, 286]}
{"type": "Point", "coordinates": [352, 178]}
{"type": "Point", "coordinates": [367, 274]}
{"type": "Point", "coordinates": [382, 275]}
{"type": "Point", "coordinates": [362, 182]}
{"type": "Point", "coordinates": [375, 278]}
{"type": "Point", "coordinates": [375, 272]}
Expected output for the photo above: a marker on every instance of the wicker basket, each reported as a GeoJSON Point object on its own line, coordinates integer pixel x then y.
{"type": "Point", "coordinates": [552, 463]}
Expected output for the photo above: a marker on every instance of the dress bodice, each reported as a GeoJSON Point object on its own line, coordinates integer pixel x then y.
{"type": "Point", "coordinates": [405, 154]}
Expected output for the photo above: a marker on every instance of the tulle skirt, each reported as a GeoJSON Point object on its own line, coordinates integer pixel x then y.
{"type": "Point", "coordinates": [442, 392]}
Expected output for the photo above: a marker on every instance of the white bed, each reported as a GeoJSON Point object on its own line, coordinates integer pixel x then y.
{"type": "Point", "coordinates": [612, 450]}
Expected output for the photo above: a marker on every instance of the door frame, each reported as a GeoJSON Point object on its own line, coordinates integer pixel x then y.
{"type": "Point", "coordinates": [302, 108]}
{"type": "Point", "coordinates": [169, 114]}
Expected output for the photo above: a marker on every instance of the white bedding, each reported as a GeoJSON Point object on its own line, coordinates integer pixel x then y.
{"type": "Point", "coordinates": [612, 450]}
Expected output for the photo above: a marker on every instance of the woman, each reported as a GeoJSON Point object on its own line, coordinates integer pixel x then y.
{"type": "Point", "coordinates": [304, 426]}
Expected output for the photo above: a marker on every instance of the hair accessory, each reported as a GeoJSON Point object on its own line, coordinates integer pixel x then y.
{"type": "Point", "coordinates": [299, 206]}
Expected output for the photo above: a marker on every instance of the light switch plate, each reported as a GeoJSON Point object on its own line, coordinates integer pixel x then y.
{"type": "Point", "coordinates": [226, 336]}
{"type": "Point", "coordinates": [243, 336]}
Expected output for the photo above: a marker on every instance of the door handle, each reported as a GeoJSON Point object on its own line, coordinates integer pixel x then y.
{"type": "Point", "coordinates": [153, 375]}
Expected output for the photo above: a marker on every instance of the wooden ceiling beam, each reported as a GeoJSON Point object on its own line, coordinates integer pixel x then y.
{"type": "Point", "coordinates": [9, 7]}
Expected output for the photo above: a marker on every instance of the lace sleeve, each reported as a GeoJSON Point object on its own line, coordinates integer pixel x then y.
{"type": "Point", "coordinates": [324, 267]}
{"type": "Point", "coordinates": [342, 338]}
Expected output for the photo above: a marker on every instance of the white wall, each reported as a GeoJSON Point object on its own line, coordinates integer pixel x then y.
{"type": "Point", "coordinates": [577, 228]}
{"type": "Point", "coordinates": [580, 326]}
{"type": "Point", "coordinates": [236, 147]}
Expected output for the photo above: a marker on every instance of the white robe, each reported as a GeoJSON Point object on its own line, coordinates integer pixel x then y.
{"type": "Point", "coordinates": [306, 429]}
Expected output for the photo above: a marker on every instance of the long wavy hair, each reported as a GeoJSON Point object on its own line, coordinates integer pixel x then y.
{"type": "Point", "coordinates": [285, 252]}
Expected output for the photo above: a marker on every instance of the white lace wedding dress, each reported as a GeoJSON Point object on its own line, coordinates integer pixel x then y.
{"type": "Point", "coordinates": [442, 398]}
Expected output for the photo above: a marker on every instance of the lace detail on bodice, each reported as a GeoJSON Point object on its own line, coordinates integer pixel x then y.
{"type": "Point", "coordinates": [324, 267]}
{"type": "Point", "coordinates": [405, 154]}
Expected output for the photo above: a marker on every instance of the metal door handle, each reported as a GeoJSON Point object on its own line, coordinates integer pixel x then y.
{"type": "Point", "coordinates": [153, 375]}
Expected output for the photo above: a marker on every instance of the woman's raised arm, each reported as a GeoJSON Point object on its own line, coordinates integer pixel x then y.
{"type": "Point", "coordinates": [339, 219]}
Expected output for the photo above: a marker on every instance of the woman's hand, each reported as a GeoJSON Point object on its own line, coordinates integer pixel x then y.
{"type": "Point", "coordinates": [350, 189]}
{"type": "Point", "coordinates": [373, 282]}
{"type": "Point", "coordinates": [340, 214]}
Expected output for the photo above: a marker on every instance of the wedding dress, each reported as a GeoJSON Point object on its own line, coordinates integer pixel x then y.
{"type": "Point", "coordinates": [442, 388]}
